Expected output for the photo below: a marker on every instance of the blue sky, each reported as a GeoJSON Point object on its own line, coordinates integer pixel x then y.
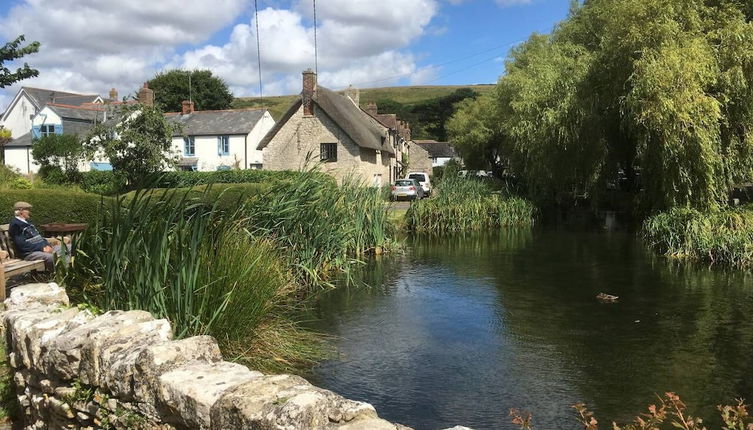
{"type": "Point", "coordinates": [93, 45]}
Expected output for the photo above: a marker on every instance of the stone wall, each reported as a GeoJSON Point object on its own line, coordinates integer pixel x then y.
{"type": "Point", "coordinates": [123, 370]}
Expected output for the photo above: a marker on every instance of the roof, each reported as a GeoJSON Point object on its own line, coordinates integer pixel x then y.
{"type": "Point", "coordinates": [437, 149]}
{"type": "Point", "coordinates": [24, 140]}
{"type": "Point", "coordinates": [76, 112]}
{"type": "Point", "coordinates": [356, 123]}
{"type": "Point", "coordinates": [42, 97]}
{"type": "Point", "coordinates": [216, 122]}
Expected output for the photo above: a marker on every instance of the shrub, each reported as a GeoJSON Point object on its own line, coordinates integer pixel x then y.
{"type": "Point", "coordinates": [53, 205]}
{"type": "Point", "coordinates": [182, 179]}
{"type": "Point", "coordinates": [7, 174]}
{"type": "Point", "coordinates": [102, 182]}
{"type": "Point", "coordinates": [20, 184]}
{"type": "Point", "coordinates": [53, 175]}
{"type": "Point", "coordinates": [225, 197]}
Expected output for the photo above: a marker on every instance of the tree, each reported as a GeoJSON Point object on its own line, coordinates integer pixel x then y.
{"type": "Point", "coordinates": [61, 153]}
{"type": "Point", "coordinates": [476, 133]}
{"type": "Point", "coordinates": [12, 51]}
{"type": "Point", "coordinates": [138, 142]}
{"type": "Point", "coordinates": [208, 92]}
{"type": "Point", "coordinates": [5, 137]}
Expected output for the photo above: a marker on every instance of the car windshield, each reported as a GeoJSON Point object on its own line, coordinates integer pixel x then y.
{"type": "Point", "coordinates": [404, 183]}
{"type": "Point", "coordinates": [417, 176]}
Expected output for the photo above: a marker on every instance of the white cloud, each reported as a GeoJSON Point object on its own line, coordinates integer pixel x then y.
{"type": "Point", "coordinates": [359, 42]}
{"type": "Point", "coordinates": [92, 45]}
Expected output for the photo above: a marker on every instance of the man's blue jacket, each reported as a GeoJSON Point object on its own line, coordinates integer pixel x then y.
{"type": "Point", "coordinates": [26, 237]}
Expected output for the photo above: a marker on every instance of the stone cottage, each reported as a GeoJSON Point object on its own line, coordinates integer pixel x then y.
{"type": "Point", "coordinates": [328, 128]}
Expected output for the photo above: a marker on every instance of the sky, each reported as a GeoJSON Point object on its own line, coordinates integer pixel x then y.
{"type": "Point", "coordinates": [90, 46]}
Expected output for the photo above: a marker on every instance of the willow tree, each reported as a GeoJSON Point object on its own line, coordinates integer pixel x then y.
{"type": "Point", "coordinates": [662, 87]}
{"type": "Point", "coordinates": [476, 134]}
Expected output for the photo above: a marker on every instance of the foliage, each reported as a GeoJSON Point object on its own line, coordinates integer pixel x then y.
{"type": "Point", "coordinates": [20, 184]}
{"type": "Point", "coordinates": [138, 143]}
{"type": "Point", "coordinates": [653, 89]}
{"type": "Point", "coordinates": [321, 225]}
{"type": "Point", "coordinates": [223, 197]}
{"type": "Point", "coordinates": [5, 137]}
{"type": "Point", "coordinates": [466, 205]}
{"type": "Point", "coordinates": [7, 174]}
{"type": "Point", "coordinates": [669, 412]}
{"type": "Point", "coordinates": [104, 182]}
{"type": "Point", "coordinates": [208, 92]}
{"type": "Point", "coordinates": [719, 236]}
{"type": "Point", "coordinates": [198, 266]}
{"type": "Point", "coordinates": [59, 153]}
{"type": "Point", "coordinates": [52, 205]}
{"type": "Point", "coordinates": [475, 132]}
{"type": "Point", "coordinates": [190, 179]}
{"type": "Point", "coordinates": [13, 51]}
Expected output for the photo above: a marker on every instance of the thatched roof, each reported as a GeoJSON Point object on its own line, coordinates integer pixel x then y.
{"type": "Point", "coordinates": [357, 124]}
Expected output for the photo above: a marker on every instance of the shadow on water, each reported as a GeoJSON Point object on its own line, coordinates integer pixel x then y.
{"type": "Point", "coordinates": [460, 329]}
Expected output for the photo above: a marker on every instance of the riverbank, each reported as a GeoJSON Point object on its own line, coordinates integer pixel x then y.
{"type": "Point", "coordinates": [723, 237]}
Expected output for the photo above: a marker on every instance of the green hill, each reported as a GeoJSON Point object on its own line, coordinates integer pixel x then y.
{"type": "Point", "coordinates": [277, 105]}
{"type": "Point", "coordinates": [425, 107]}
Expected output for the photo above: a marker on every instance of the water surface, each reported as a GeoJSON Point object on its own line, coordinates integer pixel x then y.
{"type": "Point", "coordinates": [459, 330]}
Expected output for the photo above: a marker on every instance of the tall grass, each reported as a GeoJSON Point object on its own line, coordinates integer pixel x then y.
{"type": "Point", "coordinates": [721, 237]}
{"type": "Point", "coordinates": [323, 227]}
{"type": "Point", "coordinates": [179, 259]}
{"type": "Point", "coordinates": [467, 205]}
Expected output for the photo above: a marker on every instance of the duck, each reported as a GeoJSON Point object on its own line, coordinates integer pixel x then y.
{"type": "Point", "coordinates": [606, 298]}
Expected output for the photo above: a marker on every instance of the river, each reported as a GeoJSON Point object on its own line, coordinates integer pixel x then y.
{"type": "Point", "coordinates": [458, 330]}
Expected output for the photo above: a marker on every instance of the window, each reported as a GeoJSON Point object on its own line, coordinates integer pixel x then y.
{"type": "Point", "coordinates": [47, 130]}
{"type": "Point", "coordinates": [189, 146]}
{"type": "Point", "coordinates": [328, 152]}
{"type": "Point", "coordinates": [223, 145]}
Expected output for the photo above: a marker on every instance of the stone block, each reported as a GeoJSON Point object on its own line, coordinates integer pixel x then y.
{"type": "Point", "coordinates": [154, 360]}
{"type": "Point", "coordinates": [74, 353]}
{"type": "Point", "coordinates": [285, 402]}
{"type": "Point", "coordinates": [190, 391]}
{"type": "Point", "coordinates": [32, 295]}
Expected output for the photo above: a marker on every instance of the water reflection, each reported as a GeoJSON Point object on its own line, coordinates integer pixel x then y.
{"type": "Point", "coordinates": [460, 329]}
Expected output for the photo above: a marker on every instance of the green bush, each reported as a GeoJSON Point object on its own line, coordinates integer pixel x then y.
{"type": "Point", "coordinates": [52, 205]}
{"type": "Point", "coordinates": [102, 182]}
{"type": "Point", "coordinates": [20, 184]}
{"type": "Point", "coordinates": [7, 174]}
{"type": "Point", "coordinates": [189, 179]}
{"type": "Point", "coordinates": [226, 197]}
{"type": "Point", "coordinates": [53, 175]}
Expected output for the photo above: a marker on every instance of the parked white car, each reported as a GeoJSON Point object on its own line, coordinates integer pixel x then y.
{"type": "Point", "coordinates": [423, 180]}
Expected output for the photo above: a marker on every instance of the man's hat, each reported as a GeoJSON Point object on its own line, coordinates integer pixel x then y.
{"type": "Point", "coordinates": [21, 205]}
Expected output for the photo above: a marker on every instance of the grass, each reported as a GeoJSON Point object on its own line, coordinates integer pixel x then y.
{"type": "Point", "coordinates": [277, 105]}
{"type": "Point", "coordinates": [467, 205]}
{"type": "Point", "coordinates": [718, 237]}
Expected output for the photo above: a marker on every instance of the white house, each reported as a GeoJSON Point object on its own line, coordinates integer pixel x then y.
{"type": "Point", "coordinates": [439, 152]}
{"type": "Point", "coordinates": [29, 101]}
{"type": "Point", "coordinates": [219, 139]}
{"type": "Point", "coordinates": [52, 119]}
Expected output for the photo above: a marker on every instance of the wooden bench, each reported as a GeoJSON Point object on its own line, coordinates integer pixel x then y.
{"type": "Point", "coordinates": [9, 264]}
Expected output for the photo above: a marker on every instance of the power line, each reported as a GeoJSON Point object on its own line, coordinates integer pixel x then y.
{"type": "Point", "coordinates": [402, 75]}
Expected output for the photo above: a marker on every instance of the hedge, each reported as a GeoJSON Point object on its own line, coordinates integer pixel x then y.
{"type": "Point", "coordinates": [109, 183]}
{"type": "Point", "coordinates": [52, 205]}
{"type": "Point", "coordinates": [228, 197]}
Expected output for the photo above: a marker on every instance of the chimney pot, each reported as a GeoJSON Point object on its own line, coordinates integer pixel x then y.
{"type": "Point", "coordinates": [372, 109]}
{"type": "Point", "coordinates": [309, 88]}
{"type": "Point", "coordinates": [146, 95]}
{"type": "Point", "coordinates": [188, 107]}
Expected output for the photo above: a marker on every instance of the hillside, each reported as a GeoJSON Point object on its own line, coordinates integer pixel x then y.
{"type": "Point", "coordinates": [403, 95]}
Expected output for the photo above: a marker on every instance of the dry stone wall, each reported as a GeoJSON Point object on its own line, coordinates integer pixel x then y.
{"type": "Point", "coordinates": [123, 370]}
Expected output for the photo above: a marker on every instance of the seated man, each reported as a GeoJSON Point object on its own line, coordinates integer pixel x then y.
{"type": "Point", "coordinates": [31, 246]}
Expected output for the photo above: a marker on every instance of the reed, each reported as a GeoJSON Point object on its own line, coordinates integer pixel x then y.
{"type": "Point", "coordinates": [467, 205]}
{"type": "Point", "coordinates": [177, 258]}
{"type": "Point", "coordinates": [717, 237]}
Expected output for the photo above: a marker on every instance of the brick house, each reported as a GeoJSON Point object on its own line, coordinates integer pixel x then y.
{"type": "Point", "coordinates": [324, 126]}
